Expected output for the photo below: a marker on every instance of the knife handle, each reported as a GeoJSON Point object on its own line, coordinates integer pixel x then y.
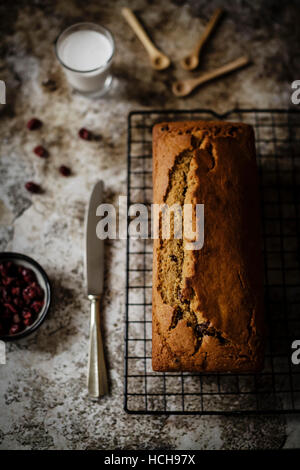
{"type": "Point", "coordinates": [97, 376]}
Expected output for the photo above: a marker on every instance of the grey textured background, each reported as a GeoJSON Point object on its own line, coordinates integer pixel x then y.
{"type": "Point", "coordinates": [43, 403]}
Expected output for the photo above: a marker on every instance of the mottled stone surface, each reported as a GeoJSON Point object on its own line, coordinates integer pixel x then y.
{"type": "Point", "coordinates": [43, 399]}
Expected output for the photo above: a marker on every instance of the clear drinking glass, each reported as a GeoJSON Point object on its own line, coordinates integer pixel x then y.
{"type": "Point", "coordinates": [85, 51]}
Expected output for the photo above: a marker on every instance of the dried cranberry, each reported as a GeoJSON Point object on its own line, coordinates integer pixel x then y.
{"type": "Point", "coordinates": [32, 292]}
{"type": "Point", "coordinates": [28, 275]}
{"type": "Point", "coordinates": [7, 281]}
{"type": "Point", "coordinates": [14, 329]}
{"type": "Point", "coordinates": [33, 187]}
{"type": "Point", "coordinates": [19, 282]}
{"type": "Point", "coordinates": [39, 291]}
{"type": "Point", "coordinates": [4, 269]}
{"type": "Point", "coordinates": [18, 302]}
{"type": "Point", "coordinates": [29, 294]}
{"type": "Point", "coordinates": [40, 151]}
{"type": "Point", "coordinates": [64, 170]}
{"type": "Point", "coordinates": [26, 313]}
{"type": "Point", "coordinates": [34, 124]}
{"type": "Point", "coordinates": [8, 269]}
{"type": "Point", "coordinates": [28, 321]}
{"type": "Point", "coordinates": [16, 318]}
{"type": "Point", "coordinates": [37, 306]}
{"type": "Point", "coordinates": [5, 294]}
{"type": "Point", "coordinates": [84, 134]}
{"type": "Point", "coordinates": [15, 291]}
{"type": "Point", "coordinates": [11, 308]}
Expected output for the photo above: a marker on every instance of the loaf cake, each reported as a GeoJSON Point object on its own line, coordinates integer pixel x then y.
{"type": "Point", "coordinates": [208, 303]}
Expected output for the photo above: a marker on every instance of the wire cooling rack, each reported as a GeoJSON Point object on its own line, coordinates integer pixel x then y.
{"type": "Point", "coordinates": [277, 388]}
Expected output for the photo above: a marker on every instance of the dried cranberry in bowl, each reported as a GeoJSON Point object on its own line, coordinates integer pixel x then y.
{"type": "Point", "coordinates": [22, 298]}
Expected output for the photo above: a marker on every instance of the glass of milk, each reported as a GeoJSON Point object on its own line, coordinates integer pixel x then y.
{"type": "Point", "coordinates": [85, 51]}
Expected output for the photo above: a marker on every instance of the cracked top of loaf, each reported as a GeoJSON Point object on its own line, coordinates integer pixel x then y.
{"type": "Point", "coordinates": [208, 303]}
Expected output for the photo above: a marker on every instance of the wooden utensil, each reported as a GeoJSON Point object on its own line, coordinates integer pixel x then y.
{"type": "Point", "coordinates": [185, 87]}
{"type": "Point", "coordinates": [192, 61]}
{"type": "Point", "coordinates": [159, 61]}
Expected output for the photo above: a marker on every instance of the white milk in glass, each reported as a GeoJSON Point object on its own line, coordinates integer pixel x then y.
{"type": "Point", "coordinates": [86, 57]}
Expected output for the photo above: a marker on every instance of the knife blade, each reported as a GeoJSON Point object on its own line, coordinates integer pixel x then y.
{"type": "Point", "coordinates": [94, 265]}
{"type": "Point", "coordinates": [94, 246]}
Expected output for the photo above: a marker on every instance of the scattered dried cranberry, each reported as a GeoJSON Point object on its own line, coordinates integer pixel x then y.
{"type": "Point", "coordinates": [40, 151]}
{"type": "Point", "coordinates": [64, 170]}
{"type": "Point", "coordinates": [34, 124]}
{"type": "Point", "coordinates": [84, 134]}
{"type": "Point", "coordinates": [21, 298]}
{"type": "Point", "coordinates": [33, 187]}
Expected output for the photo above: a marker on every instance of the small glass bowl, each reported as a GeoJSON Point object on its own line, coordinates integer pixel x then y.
{"type": "Point", "coordinates": [43, 281]}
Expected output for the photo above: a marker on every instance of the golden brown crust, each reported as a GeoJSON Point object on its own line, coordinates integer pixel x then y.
{"type": "Point", "coordinates": [215, 323]}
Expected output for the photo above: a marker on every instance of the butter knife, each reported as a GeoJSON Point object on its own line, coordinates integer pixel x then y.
{"type": "Point", "coordinates": [94, 263]}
